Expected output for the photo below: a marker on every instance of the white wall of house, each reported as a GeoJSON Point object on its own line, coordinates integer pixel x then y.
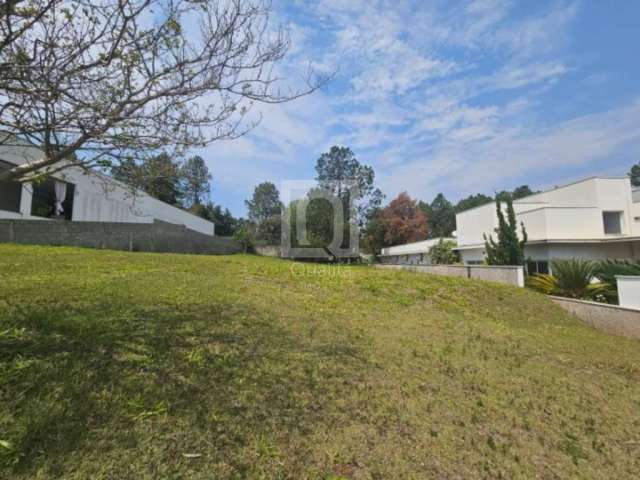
{"type": "Point", "coordinates": [99, 198]}
{"type": "Point", "coordinates": [416, 247]}
{"type": "Point", "coordinates": [568, 220]}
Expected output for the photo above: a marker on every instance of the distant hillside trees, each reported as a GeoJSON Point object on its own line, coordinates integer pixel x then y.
{"type": "Point", "coordinates": [442, 216]}
{"type": "Point", "coordinates": [473, 201]}
{"type": "Point", "coordinates": [520, 192]}
{"type": "Point", "coordinates": [442, 213]}
{"type": "Point", "coordinates": [158, 175]}
{"type": "Point", "coordinates": [225, 223]}
{"type": "Point", "coordinates": [634, 174]}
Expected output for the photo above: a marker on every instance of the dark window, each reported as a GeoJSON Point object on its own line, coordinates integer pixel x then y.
{"type": "Point", "coordinates": [10, 192]}
{"type": "Point", "coordinates": [541, 266]}
{"type": "Point", "coordinates": [44, 200]}
{"type": "Point", "coordinates": [612, 223]}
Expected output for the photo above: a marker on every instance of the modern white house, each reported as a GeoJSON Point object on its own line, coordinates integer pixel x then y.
{"type": "Point", "coordinates": [77, 195]}
{"type": "Point", "coordinates": [596, 218]}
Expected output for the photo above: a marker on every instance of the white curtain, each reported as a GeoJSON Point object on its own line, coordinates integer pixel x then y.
{"type": "Point", "coordinates": [61, 194]}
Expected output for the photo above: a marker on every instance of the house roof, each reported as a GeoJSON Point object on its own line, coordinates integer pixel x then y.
{"type": "Point", "coordinates": [523, 199]}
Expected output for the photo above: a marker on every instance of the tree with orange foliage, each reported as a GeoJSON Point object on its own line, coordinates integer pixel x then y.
{"type": "Point", "coordinates": [404, 222]}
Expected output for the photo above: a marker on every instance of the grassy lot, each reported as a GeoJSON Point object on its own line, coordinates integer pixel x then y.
{"type": "Point", "coordinates": [118, 365]}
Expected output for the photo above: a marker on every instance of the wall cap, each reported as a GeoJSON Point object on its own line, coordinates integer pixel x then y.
{"type": "Point", "coordinates": [596, 304]}
{"type": "Point", "coordinates": [628, 277]}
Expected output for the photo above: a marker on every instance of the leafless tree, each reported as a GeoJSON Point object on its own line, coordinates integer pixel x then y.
{"type": "Point", "coordinates": [94, 82]}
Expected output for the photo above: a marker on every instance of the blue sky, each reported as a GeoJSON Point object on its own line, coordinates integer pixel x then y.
{"type": "Point", "coordinates": [446, 96]}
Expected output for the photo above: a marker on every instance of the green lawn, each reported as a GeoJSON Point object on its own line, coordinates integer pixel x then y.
{"type": "Point", "coordinates": [131, 365]}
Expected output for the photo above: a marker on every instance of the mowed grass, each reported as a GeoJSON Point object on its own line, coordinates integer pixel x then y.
{"type": "Point", "coordinates": [134, 366]}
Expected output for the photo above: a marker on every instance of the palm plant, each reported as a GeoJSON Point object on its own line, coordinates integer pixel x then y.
{"type": "Point", "coordinates": [572, 278]}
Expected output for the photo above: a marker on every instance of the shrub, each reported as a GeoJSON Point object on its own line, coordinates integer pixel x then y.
{"type": "Point", "coordinates": [442, 253]}
{"type": "Point", "coordinates": [245, 238]}
{"type": "Point", "coordinates": [571, 278]}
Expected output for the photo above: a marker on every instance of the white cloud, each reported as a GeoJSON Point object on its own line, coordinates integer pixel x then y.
{"type": "Point", "coordinates": [438, 96]}
{"type": "Point", "coordinates": [492, 162]}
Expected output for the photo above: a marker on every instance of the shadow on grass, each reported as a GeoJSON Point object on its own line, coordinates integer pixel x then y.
{"type": "Point", "coordinates": [146, 384]}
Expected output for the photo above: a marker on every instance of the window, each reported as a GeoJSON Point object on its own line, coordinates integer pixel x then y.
{"type": "Point", "coordinates": [612, 223]}
{"type": "Point", "coordinates": [44, 200]}
{"type": "Point", "coordinates": [10, 192]}
{"type": "Point", "coordinates": [537, 266]}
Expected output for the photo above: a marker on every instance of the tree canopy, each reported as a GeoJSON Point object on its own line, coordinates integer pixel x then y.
{"type": "Point", "coordinates": [441, 216]}
{"type": "Point", "coordinates": [520, 192]}
{"type": "Point", "coordinates": [224, 221]}
{"type": "Point", "coordinates": [473, 201]}
{"type": "Point", "coordinates": [264, 203]}
{"type": "Point", "coordinates": [196, 180]}
{"type": "Point", "coordinates": [340, 173]}
{"type": "Point", "coordinates": [634, 174]}
{"type": "Point", "coordinates": [158, 175]}
{"type": "Point", "coordinates": [95, 83]}
{"type": "Point", "coordinates": [264, 210]}
{"type": "Point", "coordinates": [404, 221]}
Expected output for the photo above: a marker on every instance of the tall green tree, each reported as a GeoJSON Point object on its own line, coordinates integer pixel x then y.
{"type": "Point", "coordinates": [264, 203]}
{"type": "Point", "coordinates": [634, 174]}
{"type": "Point", "coordinates": [373, 235]}
{"type": "Point", "coordinates": [441, 215]}
{"type": "Point", "coordinates": [264, 210]}
{"type": "Point", "coordinates": [196, 180]}
{"type": "Point", "coordinates": [341, 173]}
{"type": "Point", "coordinates": [508, 249]}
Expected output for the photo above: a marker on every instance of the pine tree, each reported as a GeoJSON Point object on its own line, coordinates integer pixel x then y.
{"type": "Point", "coordinates": [196, 180]}
{"type": "Point", "coordinates": [509, 248]}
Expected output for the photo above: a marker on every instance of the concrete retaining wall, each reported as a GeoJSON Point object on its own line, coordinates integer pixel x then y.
{"type": "Point", "coordinates": [509, 275]}
{"type": "Point", "coordinates": [156, 237]}
{"type": "Point", "coordinates": [609, 318]}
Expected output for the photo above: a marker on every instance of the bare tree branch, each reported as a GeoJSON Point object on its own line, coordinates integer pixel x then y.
{"type": "Point", "coordinates": [100, 81]}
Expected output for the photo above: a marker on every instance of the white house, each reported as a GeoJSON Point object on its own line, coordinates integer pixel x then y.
{"type": "Point", "coordinates": [596, 218]}
{"type": "Point", "coordinates": [81, 196]}
{"type": "Point", "coordinates": [416, 253]}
